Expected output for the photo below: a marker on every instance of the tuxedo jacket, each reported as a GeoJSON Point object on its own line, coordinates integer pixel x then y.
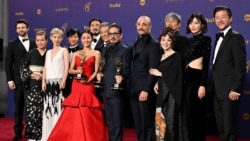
{"type": "Point", "coordinates": [15, 53]}
{"type": "Point", "coordinates": [123, 52]}
{"type": "Point", "coordinates": [99, 44]}
{"type": "Point", "coordinates": [147, 57]}
{"type": "Point", "coordinates": [229, 68]}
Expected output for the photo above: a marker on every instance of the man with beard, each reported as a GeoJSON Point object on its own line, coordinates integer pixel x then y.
{"type": "Point", "coordinates": [94, 27]}
{"type": "Point", "coordinates": [15, 52]}
{"type": "Point", "coordinates": [146, 55]}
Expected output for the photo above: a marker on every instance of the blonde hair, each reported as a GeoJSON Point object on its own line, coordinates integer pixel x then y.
{"type": "Point", "coordinates": [56, 31]}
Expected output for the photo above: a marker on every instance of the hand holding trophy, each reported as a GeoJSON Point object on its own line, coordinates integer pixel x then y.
{"type": "Point", "coordinates": [99, 83]}
{"type": "Point", "coordinates": [81, 76]}
{"type": "Point", "coordinates": [118, 66]}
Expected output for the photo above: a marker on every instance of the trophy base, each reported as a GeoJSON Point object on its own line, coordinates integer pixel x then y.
{"type": "Point", "coordinates": [80, 77]}
{"type": "Point", "coordinates": [117, 87]}
{"type": "Point", "coordinates": [98, 85]}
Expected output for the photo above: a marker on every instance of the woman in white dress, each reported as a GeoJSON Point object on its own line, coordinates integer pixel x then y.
{"type": "Point", "coordinates": [54, 76]}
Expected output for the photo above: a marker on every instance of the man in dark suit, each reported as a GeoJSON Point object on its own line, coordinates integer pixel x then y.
{"type": "Point", "coordinates": [228, 72]}
{"type": "Point", "coordinates": [146, 55]}
{"type": "Point", "coordinates": [15, 52]}
{"type": "Point", "coordinates": [173, 20]}
{"type": "Point", "coordinates": [73, 37]}
{"type": "Point", "coordinates": [94, 27]}
{"type": "Point", "coordinates": [113, 99]}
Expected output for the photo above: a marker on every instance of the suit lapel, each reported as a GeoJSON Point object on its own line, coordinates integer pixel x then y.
{"type": "Point", "coordinates": [20, 45]}
{"type": "Point", "coordinates": [224, 41]}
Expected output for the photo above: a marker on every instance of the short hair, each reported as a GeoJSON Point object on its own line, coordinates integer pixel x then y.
{"type": "Point", "coordinates": [201, 19]}
{"type": "Point", "coordinates": [223, 8]}
{"type": "Point", "coordinates": [56, 31]}
{"type": "Point", "coordinates": [104, 24]}
{"type": "Point", "coordinates": [23, 21]}
{"type": "Point", "coordinates": [167, 31]}
{"type": "Point", "coordinates": [94, 19]}
{"type": "Point", "coordinates": [73, 31]}
{"type": "Point", "coordinates": [115, 25]}
{"type": "Point", "coordinates": [42, 33]}
{"type": "Point", "coordinates": [174, 16]}
{"type": "Point", "coordinates": [87, 31]}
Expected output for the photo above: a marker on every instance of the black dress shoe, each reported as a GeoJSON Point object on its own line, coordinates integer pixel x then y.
{"type": "Point", "coordinates": [17, 137]}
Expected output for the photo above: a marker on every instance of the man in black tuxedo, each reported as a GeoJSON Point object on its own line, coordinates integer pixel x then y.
{"type": "Point", "coordinates": [73, 37]}
{"type": "Point", "coordinates": [94, 27]}
{"type": "Point", "coordinates": [113, 99]}
{"type": "Point", "coordinates": [228, 72]}
{"type": "Point", "coordinates": [146, 55]}
{"type": "Point", "coordinates": [173, 20]}
{"type": "Point", "coordinates": [15, 52]}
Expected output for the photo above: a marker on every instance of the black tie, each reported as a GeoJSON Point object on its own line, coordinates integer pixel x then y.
{"type": "Point", "coordinates": [25, 40]}
{"type": "Point", "coordinates": [221, 34]}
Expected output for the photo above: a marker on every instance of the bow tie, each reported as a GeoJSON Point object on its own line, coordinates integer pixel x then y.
{"type": "Point", "coordinates": [94, 40]}
{"type": "Point", "coordinates": [73, 49]}
{"type": "Point", "coordinates": [25, 40]}
{"type": "Point", "coordinates": [221, 34]}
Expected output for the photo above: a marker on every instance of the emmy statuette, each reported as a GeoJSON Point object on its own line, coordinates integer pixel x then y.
{"type": "Point", "coordinates": [118, 66]}
{"type": "Point", "coordinates": [81, 76]}
{"type": "Point", "coordinates": [99, 84]}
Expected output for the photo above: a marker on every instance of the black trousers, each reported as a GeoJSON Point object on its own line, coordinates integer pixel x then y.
{"type": "Point", "coordinates": [19, 108]}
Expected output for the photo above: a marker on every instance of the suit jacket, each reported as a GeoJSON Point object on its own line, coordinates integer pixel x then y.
{"type": "Point", "coordinates": [147, 57]}
{"type": "Point", "coordinates": [15, 53]}
{"type": "Point", "coordinates": [124, 53]}
{"type": "Point", "coordinates": [180, 43]}
{"type": "Point", "coordinates": [99, 44]}
{"type": "Point", "coordinates": [229, 68]}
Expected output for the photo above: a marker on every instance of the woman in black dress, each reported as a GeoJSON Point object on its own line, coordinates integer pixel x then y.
{"type": "Point", "coordinates": [169, 90]}
{"type": "Point", "coordinates": [31, 73]}
{"type": "Point", "coordinates": [196, 58]}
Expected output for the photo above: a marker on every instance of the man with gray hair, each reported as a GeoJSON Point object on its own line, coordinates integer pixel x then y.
{"type": "Point", "coordinates": [173, 20]}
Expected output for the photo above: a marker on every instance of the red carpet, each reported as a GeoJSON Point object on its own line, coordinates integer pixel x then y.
{"type": "Point", "coordinates": [6, 132]}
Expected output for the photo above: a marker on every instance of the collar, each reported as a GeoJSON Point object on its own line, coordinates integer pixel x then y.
{"type": "Point", "coordinates": [226, 30]}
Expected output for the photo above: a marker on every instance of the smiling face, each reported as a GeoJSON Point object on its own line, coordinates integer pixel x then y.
{"type": "Point", "coordinates": [114, 35]}
{"type": "Point", "coordinates": [86, 39]}
{"type": "Point", "coordinates": [41, 41]}
{"type": "Point", "coordinates": [94, 27]}
{"type": "Point", "coordinates": [195, 26]}
{"type": "Point", "coordinates": [73, 39]}
{"type": "Point", "coordinates": [104, 33]}
{"type": "Point", "coordinates": [222, 20]}
{"type": "Point", "coordinates": [166, 42]}
{"type": "Point", "coordinates": [22, 29]}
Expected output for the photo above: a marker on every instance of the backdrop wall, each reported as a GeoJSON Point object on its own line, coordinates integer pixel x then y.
{"type": "Point", "coordinates": [47, 14]}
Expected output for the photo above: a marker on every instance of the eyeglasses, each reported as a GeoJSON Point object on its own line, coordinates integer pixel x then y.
{"type": "Point", "coordinates": [114, 34]}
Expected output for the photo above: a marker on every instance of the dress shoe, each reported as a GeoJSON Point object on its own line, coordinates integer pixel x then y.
{"type": "Point", "coordinates": [17, 137]}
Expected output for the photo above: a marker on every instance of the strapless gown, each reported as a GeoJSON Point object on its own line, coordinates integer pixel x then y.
{"type": "Point", "coordinates": [82, 117]}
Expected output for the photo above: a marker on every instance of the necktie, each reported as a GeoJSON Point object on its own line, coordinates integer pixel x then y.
{"type": "Point", "coordinates": [221, 34]}
{"type": "Point", "coordinates": [25, 40]}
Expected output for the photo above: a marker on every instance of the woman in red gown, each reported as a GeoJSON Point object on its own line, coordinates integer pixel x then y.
{"type": "Point", "coordinates": [82, 117]}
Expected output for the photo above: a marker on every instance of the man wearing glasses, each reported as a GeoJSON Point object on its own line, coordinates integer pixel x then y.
{"type": "Point", "coordinates": [116, 70]}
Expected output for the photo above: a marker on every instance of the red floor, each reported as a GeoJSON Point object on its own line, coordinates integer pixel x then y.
{"type": "Point", "coordinates": [6, 132]}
